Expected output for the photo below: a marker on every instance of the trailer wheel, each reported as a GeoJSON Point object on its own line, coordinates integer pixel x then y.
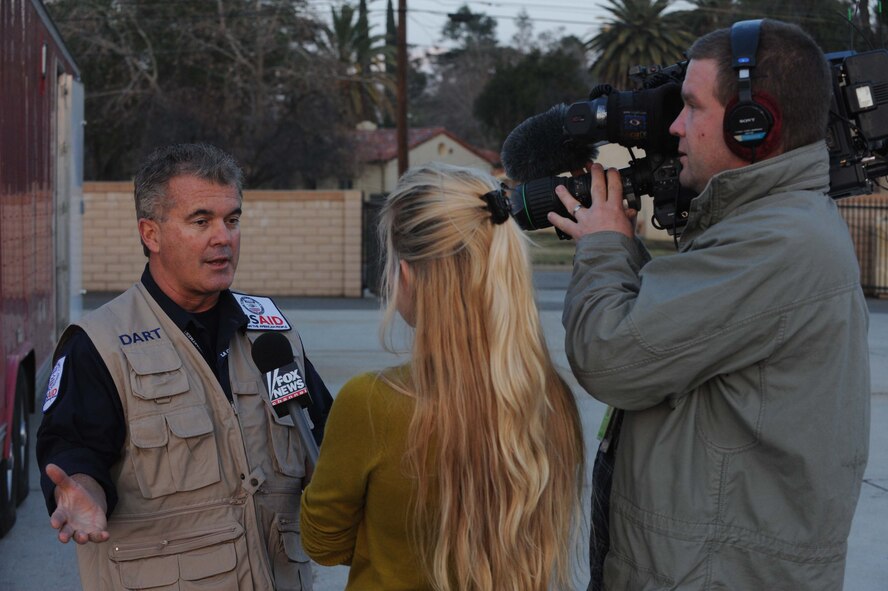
{"type": "Point", "coordinates": [7, 496]}
{"type": "Point", "coordinates": [21, 439]}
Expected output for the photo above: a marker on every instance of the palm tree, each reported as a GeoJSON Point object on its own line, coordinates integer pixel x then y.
{"type": "Point", "coordinates": [639, 34]}
{"type": "Point", "coordinates": [361, 58]}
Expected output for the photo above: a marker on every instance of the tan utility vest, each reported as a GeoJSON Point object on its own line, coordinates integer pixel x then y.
{"type": "Point", "coordinates": [208, 490]}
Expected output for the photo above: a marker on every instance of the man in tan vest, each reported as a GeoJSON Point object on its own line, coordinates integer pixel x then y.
{"type": "Point", "coordinates": [161, 455]}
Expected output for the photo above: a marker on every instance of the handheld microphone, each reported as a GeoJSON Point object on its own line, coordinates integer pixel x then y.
{"type": "Point", "coordinates": [539, 147]}
{"type": "Point", "coordinates": [287, 390]}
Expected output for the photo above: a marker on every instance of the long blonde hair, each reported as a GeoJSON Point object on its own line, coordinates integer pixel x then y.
{"type": "Point", "coordinates": [495, 441]}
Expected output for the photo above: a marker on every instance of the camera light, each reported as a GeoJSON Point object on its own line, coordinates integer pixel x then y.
{"type": "Point", "coordinates": [864, 96]}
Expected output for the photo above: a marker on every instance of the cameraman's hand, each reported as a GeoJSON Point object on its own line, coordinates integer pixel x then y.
{"type": "Point", "coordinates": [607, 213]}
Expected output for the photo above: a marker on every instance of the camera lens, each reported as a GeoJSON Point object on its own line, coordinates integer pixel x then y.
{"type": "Point", "coordinates": [532, 201]}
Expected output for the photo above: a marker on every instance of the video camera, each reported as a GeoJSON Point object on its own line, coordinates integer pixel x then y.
{"type": "Point", "coordinates": [856, 139]}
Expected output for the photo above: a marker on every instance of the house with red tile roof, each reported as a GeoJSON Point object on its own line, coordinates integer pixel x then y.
{"type": "Point", "coordinates": [377, 154]}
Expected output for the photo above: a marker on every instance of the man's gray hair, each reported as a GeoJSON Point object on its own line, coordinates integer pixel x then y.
{"type": "Point", "coordinates": [203, 161]}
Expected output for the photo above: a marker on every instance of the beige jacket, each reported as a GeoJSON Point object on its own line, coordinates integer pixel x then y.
{"type": "Point", "coordinates": [209, 490]}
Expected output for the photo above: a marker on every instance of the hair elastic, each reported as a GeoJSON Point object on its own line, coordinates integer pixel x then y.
{"type": "Point", "coordinates": [497, 205]}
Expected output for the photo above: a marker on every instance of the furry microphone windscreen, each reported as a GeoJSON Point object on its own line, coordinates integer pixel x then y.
{"type": "Point", "coordinates": [538, 147]}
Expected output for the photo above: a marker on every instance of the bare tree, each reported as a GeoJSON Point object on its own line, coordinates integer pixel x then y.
{"type": "Point", "coordinates": [245, 74]}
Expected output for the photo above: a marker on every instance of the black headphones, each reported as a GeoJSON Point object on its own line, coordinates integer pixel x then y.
{"type": "Point", "coordinates": [747, 121]}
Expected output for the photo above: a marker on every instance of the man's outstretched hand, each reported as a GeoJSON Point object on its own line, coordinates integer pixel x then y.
{"type": "Point", "coordinates": [80, 507]}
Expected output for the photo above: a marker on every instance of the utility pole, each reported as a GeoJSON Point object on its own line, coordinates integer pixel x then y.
{"type": "Point", "coordinates": [401, 116]}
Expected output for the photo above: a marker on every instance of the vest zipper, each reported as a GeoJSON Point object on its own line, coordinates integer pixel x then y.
{"type": "Point", "coordinates": [266, 559]}
{"type": "Point", "coordinates": [169, 545]}
{"type": "Point", "coordinates": [234, 500]}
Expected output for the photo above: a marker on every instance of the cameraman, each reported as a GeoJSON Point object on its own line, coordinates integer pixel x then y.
{"type": "Point", "coordinates": [738, 366]}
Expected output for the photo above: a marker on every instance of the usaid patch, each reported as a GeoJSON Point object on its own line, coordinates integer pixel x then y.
{"type": "Point", "coordinates": [285, 383]}
{"type": "Point", "coordinates": [52, 388]}
{"type": "Point", "coordinates": [262, 313]}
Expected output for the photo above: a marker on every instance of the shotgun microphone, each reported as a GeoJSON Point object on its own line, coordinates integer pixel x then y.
{"type": "Point", "coordinates": [539, 147]}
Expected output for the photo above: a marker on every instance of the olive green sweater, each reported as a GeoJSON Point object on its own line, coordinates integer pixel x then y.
{"type": "Point", "coordinates": [356, 510]}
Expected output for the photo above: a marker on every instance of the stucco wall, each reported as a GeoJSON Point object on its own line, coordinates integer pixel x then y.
{"type": "Point", "coordinates": [293, 243]}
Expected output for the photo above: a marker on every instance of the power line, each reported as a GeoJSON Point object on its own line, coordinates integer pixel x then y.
{"type": "Point", "coordinates": [499, 16]}
{"type": "Point", "coordinates": [278, 13]}
{"type": "Point", "coordinates": [582, 7]}
{"type": "Point", "coordinates": [424, 27]}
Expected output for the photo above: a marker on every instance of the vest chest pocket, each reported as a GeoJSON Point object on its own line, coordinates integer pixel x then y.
{"type": "Point", "coordinates": [174, 452]}
{"type": "Point", "coordinates": [255, 412]}
{"type": "Point", "coordinates": [183, 561]}
{"type": "Point", "coordinates": [289, 457]}
{"type": "Point", "coordinates": [156, 372]}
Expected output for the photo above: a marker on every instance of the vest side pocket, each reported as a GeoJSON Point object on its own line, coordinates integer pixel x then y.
{"type": "Point", "coordinates": [174, 452]}
{"type": "Point", "coordinates": [291, 565]}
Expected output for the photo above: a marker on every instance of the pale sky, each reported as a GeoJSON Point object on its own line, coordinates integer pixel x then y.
{"type": "Point", "coordinates": [426, 18]}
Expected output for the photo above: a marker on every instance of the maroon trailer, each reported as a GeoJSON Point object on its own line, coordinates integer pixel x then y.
{"type": "Point", "coordinates": [41, 155]}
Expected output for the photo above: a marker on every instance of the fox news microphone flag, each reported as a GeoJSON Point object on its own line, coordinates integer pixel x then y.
{"type": "Point", "coordinates": [273, 356]}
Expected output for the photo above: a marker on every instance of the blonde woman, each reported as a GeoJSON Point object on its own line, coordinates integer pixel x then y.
{"type": "Point", "coordinates": [462, 469]}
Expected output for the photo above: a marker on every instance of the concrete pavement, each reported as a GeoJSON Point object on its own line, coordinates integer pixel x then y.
{"type": "Point", "coordinates": [341, 338]}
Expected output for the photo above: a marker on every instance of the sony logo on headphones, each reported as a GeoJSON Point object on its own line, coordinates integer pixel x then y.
{"type": "Point", "coordinates": [748, 120]}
